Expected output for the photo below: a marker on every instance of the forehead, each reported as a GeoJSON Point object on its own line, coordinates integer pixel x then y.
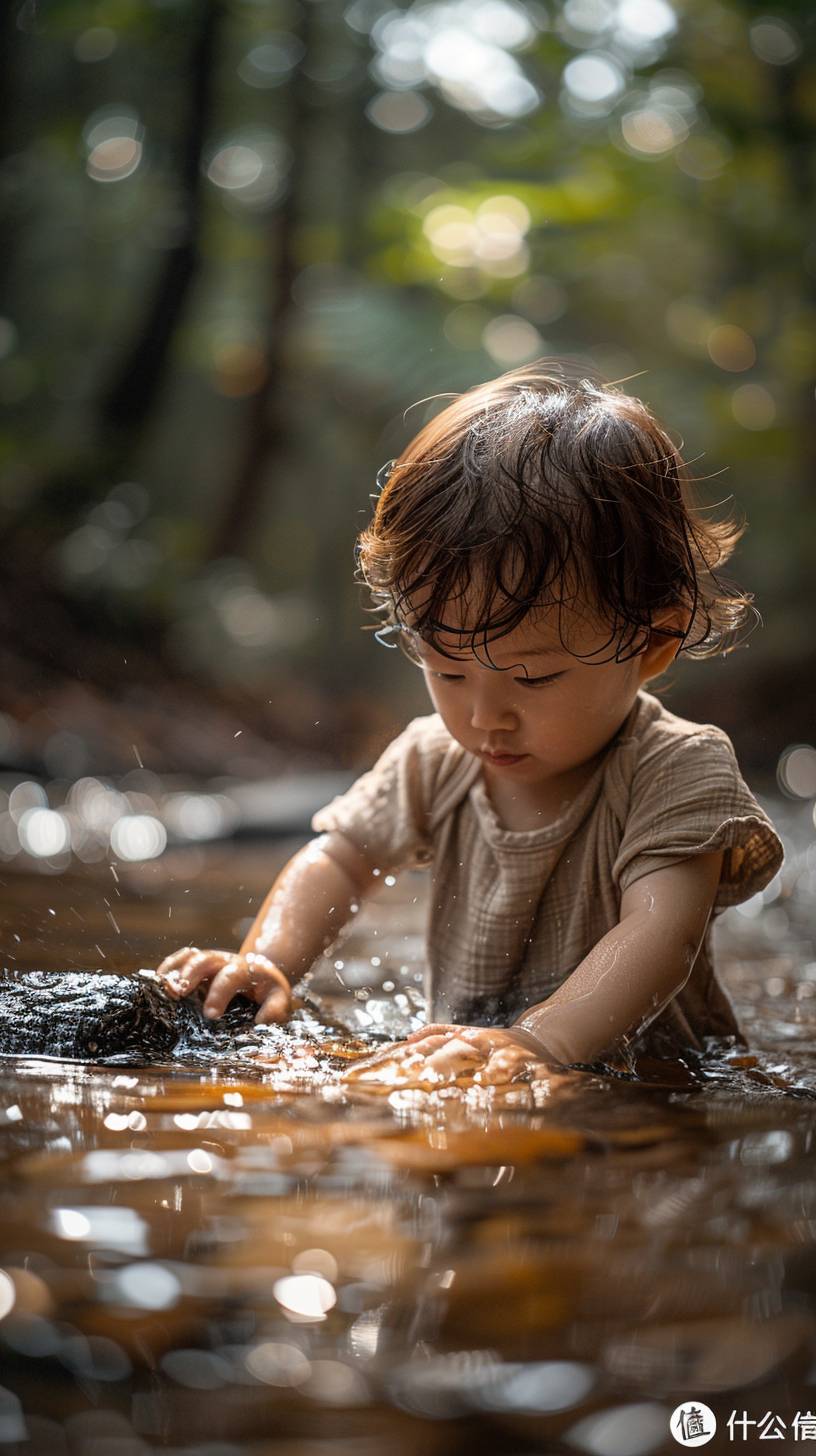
{"type": "Point", "coordinates": [538, 636]}
{"type": "Point", "coordinates": [564, 625]}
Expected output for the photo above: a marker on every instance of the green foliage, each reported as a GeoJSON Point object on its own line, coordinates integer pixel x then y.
{"type": "Point", "coordinates": [664, 233]}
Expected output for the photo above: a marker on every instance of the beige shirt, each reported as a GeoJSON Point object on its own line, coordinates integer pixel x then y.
{"type": "Point", "coordinates": [514, 912]}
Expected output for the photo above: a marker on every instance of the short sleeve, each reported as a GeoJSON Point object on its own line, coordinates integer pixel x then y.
{"type": "Point", "coordinates": [384, 813]}
{"type": "Point", "coordinates": [690, 798]}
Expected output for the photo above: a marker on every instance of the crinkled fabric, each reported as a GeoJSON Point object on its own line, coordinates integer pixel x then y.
{"type": "Point", "coordinates": [514, 912]}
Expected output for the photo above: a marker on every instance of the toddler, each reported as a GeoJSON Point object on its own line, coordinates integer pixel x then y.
{"type": "Point", "coordinates": [537, 552]}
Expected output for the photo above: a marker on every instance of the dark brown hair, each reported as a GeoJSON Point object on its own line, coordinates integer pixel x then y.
{"type": "Point", "coordinates": [538, 489]}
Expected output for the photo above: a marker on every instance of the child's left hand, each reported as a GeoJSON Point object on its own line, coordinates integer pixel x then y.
{"type": "Point", "coordinates": [440, 1053]}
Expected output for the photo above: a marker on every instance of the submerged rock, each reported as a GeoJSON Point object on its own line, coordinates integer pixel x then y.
{"type": "Point", "coordinates": [95, 1017]}
{"type": "Point", "coordinates": [129, 1020]}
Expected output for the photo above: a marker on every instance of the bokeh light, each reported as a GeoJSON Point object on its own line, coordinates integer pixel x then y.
{"type": "Point", "coordinates": [198, 816]}
{"type": "Point", "coordinates": [147, 1286]}
{"type": "Point", "coordinates": [25, 796]}
{"type": "Point", "coordinates": [704, 157]}
{"type": "Point", "coordinates": [307, 1296]}
{"type": "Point", "coordinates": [651, 131]}
{"type": "Point", "coordinates": [753, 406]}
{"type": "Point", "coordinates": [8, 1294]}
{"type": "Point", "coordinates": [71, 1224]}
{"type": "Point", "coordinates": [95, 44]}
{"type": "Point", "coordinates": [594, 82]}
{"type": "Point", "coordinates": [250, 167]}
{"type": "Point", "coordinates": [113, 138]}
{"type": "Point", "coordinates": [511, 340]}
{"type": "Point", "coordinates": [316, 1261]}
{"type": "Point", "coordinates": [463, 48]}
{"type": "Point", "coordinates": [115, 159]}
{"type": "Point", "coordinates": [239, 368]}
{"type": "Point", "coordinates": [588, 17]}
{"type": "Point", "coordinates": [796, 771]}
{"type": "Point", "coordinates": [276, 1363]}
{"type": "Point", "coordinates": [774, 40]}
{"type": "Point", "coordinates": [138, 837]}
{"type": "Point", "coordinates": [489, 236]}
{"type": "Point", "coordinates": [645, 20]}
{"type": "Point", "coordinates": [731, 348]}
{"type": "Point", "coordinates": [44, 832]}
{"type": "Point", "coordinates": [271, 61]}
{"type": "Point", "coordinates": [399, 111]}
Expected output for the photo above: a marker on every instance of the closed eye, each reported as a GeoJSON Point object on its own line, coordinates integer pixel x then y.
{"type": "Point", "coordinates": [527, 682]}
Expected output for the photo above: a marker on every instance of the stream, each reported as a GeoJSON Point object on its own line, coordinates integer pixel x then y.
{"type": "Point", "coordinates": [246, 1255]}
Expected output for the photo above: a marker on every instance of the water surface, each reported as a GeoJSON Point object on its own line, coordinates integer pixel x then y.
{"type": "Point", "coordinates": [246, 1255]}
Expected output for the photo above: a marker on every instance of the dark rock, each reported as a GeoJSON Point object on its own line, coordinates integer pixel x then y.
{"type": "Point", "coordinates": [127, 1019]}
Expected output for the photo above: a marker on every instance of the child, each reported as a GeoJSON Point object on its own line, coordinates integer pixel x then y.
{"type": "Point", "coordinates": [537, 552]}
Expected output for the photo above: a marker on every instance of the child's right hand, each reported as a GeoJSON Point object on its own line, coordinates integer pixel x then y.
{"type": "Point", "coordinates": [231, 973]}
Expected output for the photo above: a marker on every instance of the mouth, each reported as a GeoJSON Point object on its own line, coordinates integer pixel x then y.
{"type": "Point", "coordinates": [502, 760]}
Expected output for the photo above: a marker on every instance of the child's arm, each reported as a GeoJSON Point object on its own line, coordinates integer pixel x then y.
{"type": "Point", "coordinates": [624, 982]}
{"type": "Point", "coordinates": [306, 908]}
{"type": "Point", "coordinates": [634, 971]}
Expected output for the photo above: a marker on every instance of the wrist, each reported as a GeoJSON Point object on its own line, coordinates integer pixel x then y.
{"type": "Point", "coordinates": [528, 1036]}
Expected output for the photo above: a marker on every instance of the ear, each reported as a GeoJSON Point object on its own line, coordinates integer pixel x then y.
{"type": "Point", "coordinates": [661, 649]}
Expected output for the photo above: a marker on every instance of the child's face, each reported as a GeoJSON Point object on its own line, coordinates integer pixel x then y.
{"type": "Point", "coordinates": [547, 712]}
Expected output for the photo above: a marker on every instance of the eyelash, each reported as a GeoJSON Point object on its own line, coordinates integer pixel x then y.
{"type": "Point", "coordinates": [525, 682]}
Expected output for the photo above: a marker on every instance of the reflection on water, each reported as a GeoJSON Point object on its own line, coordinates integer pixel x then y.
{"type": "Point", "coordinates": [246, 1254]}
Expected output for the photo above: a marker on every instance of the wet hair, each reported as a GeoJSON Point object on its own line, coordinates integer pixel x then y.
{"type": "Point", "coordinates": [540, 489]}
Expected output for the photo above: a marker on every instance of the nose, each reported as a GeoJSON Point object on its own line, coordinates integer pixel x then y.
{"type": "Point", "coordinates": [490, 711]}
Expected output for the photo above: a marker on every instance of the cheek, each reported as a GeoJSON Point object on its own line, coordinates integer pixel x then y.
{"type": "Point", "coordinates": [601, 698]}
{"type": "Point", "coordinates": [436, 691]}
{"type": "Point", "coordinates": [445, 699]}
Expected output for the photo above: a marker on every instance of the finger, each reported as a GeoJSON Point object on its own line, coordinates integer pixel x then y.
{"type": "Point", "coordinates": [172, 965]}
{"type": "Point", "coordinates": [436, 1028]}
{"type": "Point", "coordinates": [390, 1071]}
{"type": "Point", "coordinates": [391, 1054]}
{"type": "Point", "coordinates": [506, 1064]}
{"type": "Point", "coordinates": [455, 1055]}
{"type": "Point", "coordinates": [199, 965]}
{"type": "Point", "coordinates": [264, 982]}
{"type": "Point", "coordinates": [401, 1051]}
{"type": "Point", "coordinates": [176, 958]}
{"type": "Point", "coordinates": [202, 966]}
{"type": "Point", "coordinates": [276, 1007]}
{"type": "Point", "coordinates": [230, 980]}
{"type": "Point", "coordinates": [483, 1037]}
{"type": "Point", "coordinates": [424, 1048]}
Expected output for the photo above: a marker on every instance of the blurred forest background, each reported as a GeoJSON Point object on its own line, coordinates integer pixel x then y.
{"type": "Point", "coordinates": [241, 237]}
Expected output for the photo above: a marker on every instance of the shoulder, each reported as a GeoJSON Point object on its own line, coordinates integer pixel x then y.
{"type": "Point", "coordinates": [387, 811]}
{"type": "Point", "coordinates": [436, 770]}
{"type": "Point", "coordinates": [422, 746]}
{"type": "Point", "coordinates": [682, 793]}
{"type": "Point", "coordinates": [659, 756]}
{"type": "Point", "coordinates": [426, 735]}
{"type": "Point", "coordinates": [425, 755]}
{"type": "Point", "coordinates": [442, 762]}
{"type": "Point", "coordinates": [651, 725]}
{"type": "Point", "coordinates": [657, 740]}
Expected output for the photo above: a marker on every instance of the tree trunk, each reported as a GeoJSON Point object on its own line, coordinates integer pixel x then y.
{"type": "Point", "coordinates": [266, 428]}
{"type": "Point", "coordinates": [126, 406]}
